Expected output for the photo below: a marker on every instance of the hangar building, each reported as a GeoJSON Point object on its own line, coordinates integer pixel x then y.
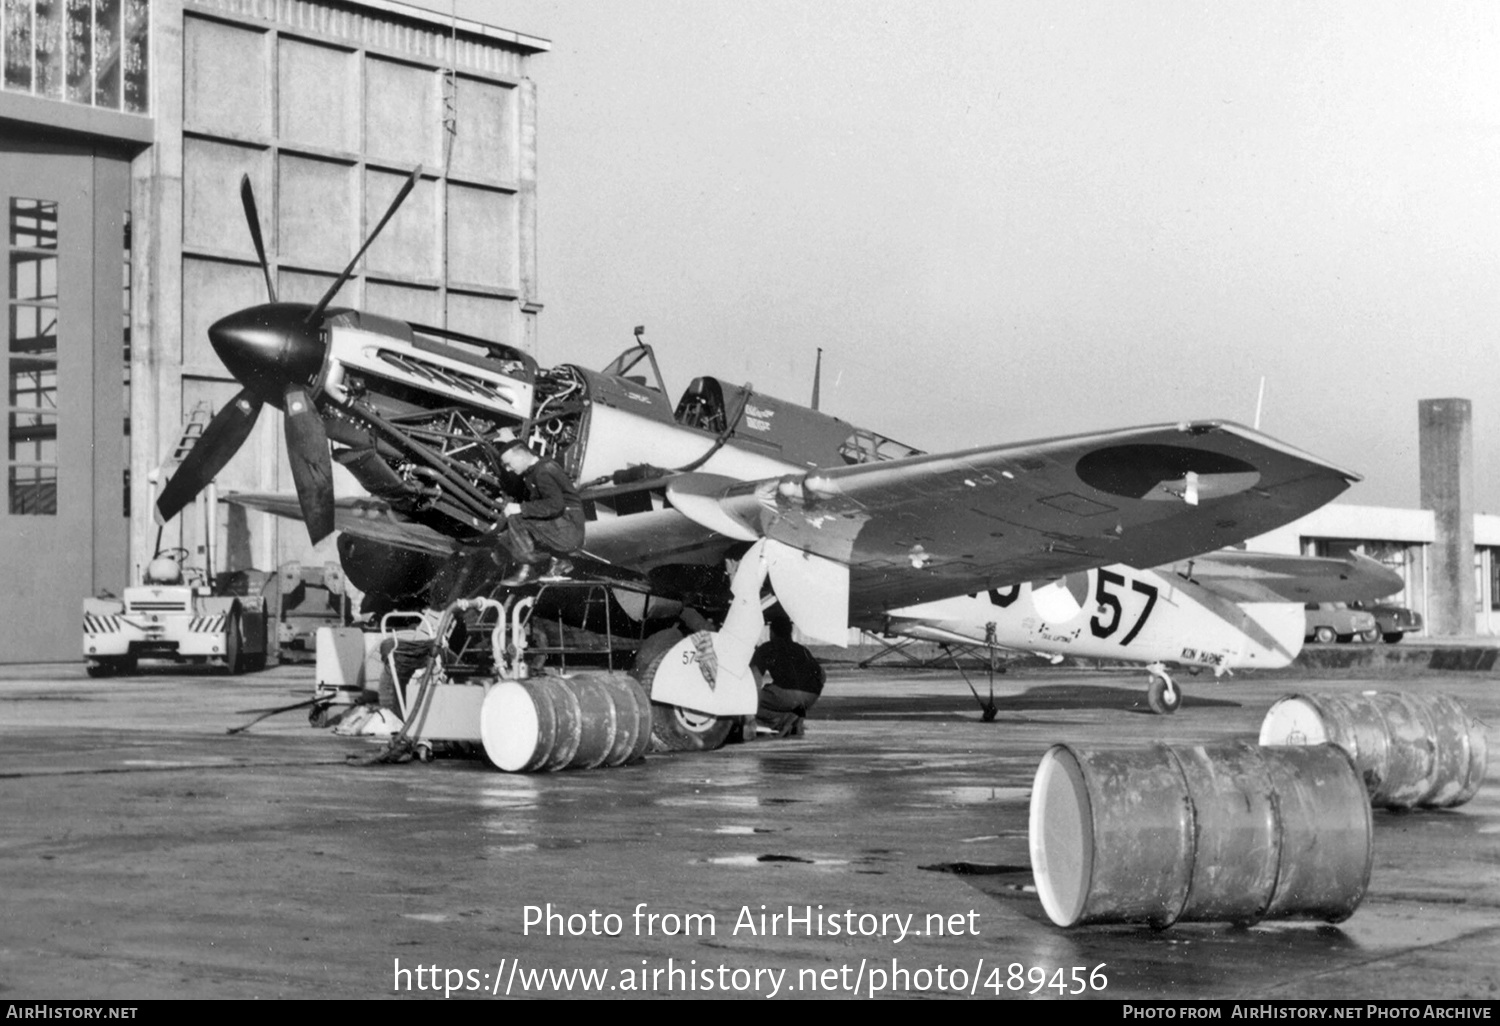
{"type": "Point", "coordinates": [125, 126]}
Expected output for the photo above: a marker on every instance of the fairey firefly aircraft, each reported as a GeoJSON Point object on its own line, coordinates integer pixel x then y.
{"type": "Point", "coordinates": [708, 500]}
{"type": "Point", "coordinates": [1224, 611]}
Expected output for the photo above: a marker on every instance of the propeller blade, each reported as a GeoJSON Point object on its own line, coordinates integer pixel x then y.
{"type": "Point", "coordinates": [214, 448]}
{"type": "Point", "coordinates": [411, 183]}
{"type": "Point", "coordinates": [312, 467]}
{"type": "Point", "coordinates": [252, 217]}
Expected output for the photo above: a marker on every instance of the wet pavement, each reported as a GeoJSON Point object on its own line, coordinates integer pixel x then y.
{"type": "Point", "coordinates": [147, 854]}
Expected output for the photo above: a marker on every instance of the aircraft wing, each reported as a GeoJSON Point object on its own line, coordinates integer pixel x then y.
{"type": "Point", "coordinates": [640, 542]}
{"type": "Point", "coordinates": [1242, 576]}
{"type": "Point", "coordinates": [361, 516]}
{"type": "Point", "coordinates": [931, 526]}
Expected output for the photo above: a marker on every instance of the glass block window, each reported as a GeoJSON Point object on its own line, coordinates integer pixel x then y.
{"type": "Point", "coordinates": [93, 52]}
{"type": "Point", "coordinates": [31, 358]}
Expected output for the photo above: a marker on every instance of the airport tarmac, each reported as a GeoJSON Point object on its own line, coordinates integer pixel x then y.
{"type": "Point", "coordinates": [147, 854]}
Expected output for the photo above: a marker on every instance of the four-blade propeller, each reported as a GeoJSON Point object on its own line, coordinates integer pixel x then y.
{"type": "Point", "coordinates": [276, 352]}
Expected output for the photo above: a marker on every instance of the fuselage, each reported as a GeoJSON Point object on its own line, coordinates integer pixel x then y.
{"type": "Point", "coordinates": [1115, 612]}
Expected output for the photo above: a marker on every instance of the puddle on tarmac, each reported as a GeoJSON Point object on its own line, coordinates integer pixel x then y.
{"type": "Point", "coordinates": [735, 829]}
{"type": "Point", "coordinates": [975, 868]}
{"type": "Point", "coordinates": [427, 917]}
{"type": "Point", "coordinates": [761, 860]}
{"type": "Point", "coordinates": [710, 799]}
{"type": "Point", "coordinates": [510, 798]}
{"type": "Point", "coordinates": [509, 849]}
{"type": "Point", "coordinates": [971, 795]}
{"type": "Point", "coordinates": [47, 698]}
{"type": "Point", "coordinates": [561, 843]}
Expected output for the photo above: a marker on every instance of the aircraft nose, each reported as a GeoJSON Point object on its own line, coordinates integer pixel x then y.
{"type": "Point", "coordinates": [268, 348]}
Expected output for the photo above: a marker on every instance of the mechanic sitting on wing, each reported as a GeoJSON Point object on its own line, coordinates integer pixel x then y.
{"type": "Point", "coordinates": [547, 524]}
{"type": "Point", "coordinates": [794, 680]}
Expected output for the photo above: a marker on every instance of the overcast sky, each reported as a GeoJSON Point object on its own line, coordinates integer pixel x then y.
{"type": "Point", "coordinates": [1005, 221]}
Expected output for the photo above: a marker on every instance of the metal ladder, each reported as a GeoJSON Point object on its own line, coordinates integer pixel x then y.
{"type": "Point", "coordinates": [197, 421]}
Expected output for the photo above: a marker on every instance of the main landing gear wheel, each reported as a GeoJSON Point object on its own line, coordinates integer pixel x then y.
{"type": "Point", "coordinates": [675, 729]}
{"type": "Point", "coordinates": [1163, 696]}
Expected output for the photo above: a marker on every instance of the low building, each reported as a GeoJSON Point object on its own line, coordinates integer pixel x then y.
{"type": "Point", "coordinates": [1402, 540]}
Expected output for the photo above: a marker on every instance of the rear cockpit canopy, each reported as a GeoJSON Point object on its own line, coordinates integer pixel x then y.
{"type": "Point", "coordinates": [796, 433]}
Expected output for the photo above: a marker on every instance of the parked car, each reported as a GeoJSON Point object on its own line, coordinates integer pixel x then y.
{"type": "Point", "coordinates": [1391, 622]}
{"type": "Point", "coordinates": [1329, 621]}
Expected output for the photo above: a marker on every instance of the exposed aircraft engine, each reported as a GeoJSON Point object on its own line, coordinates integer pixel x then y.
{"type": "Point", "coordinates": [423, 414]}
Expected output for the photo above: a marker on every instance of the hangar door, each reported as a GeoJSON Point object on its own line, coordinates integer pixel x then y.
{"type": "Point", "coordinates": [62, 518]}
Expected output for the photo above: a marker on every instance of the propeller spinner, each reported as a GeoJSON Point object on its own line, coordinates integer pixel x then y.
{"type": "Point", "coordinates": [276, 352]}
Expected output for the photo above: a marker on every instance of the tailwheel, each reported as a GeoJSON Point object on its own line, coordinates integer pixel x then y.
{"type": "Point", "coordinates": [1162, 695]}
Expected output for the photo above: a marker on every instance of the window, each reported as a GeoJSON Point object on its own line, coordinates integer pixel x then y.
{"type": "Point", "coordinates": [31, 369]}
{"type": "Point", "coordinates": [91, 52]}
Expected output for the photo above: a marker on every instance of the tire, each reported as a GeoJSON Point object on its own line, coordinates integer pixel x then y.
{"type": "Point", "coordinates": [254, 662]}
{"type": "Point", "coordinates": [1393, 636]}
{"type": "Point", "coordinates": [650, 653]}
{"type": "Point", "coordinates": [1371, 636]}
{"type": "Point", "coordinates": [110, 666]}
{"type": "Point", "coordinates": [675, 729]}
{"type": "Point", "coordinates": [234, 644]}
{"type": "Point", "coordinates": [1324, 635]}
{"type": "Point", "coordinates": [1162, 701]}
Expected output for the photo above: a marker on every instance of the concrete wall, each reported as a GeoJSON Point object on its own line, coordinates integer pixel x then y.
{"type": "Point", "coordinates": [328, 108]}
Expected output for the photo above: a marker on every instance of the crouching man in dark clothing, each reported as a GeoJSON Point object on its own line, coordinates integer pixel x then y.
{"type": "Point", "coordinates": [793, 681]}
{"type": "Point", "coordinates": [546, 526]}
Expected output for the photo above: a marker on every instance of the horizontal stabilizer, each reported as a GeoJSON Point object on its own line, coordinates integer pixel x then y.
{"type": "Point", "coordinates": [1243, 576]}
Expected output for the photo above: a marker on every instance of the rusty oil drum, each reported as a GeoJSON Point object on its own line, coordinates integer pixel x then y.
{"type": "Point", "coordinates": [1193, 833]}
{"type": "Point", "coordinates": [1413, 750]}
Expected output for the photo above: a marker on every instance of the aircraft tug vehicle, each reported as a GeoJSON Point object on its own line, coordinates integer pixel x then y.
{"type": "Point", "coordinates": [176, 613]}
